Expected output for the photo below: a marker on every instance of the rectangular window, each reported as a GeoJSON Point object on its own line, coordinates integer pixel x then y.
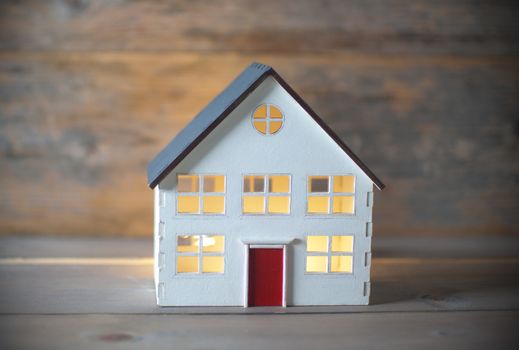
{"type": "Point", "coordinates": [331, 195]}
{"type": "Point", "coordinates": [200, 194]}
{"type": "Point", "coordinates": [200, 254]}
{"type": "Point", "coordinates": [329, 254]}
{"type": "Point", "coordinates": [266, 194]}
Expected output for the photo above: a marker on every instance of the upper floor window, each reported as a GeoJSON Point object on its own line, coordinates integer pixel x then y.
{"type": "Point", "coordinates": [200, 194]}
{"type": "Point", "coordinates": [266, 194]}
{"type": "Point", "coordinates": [267, 119]}
{"type": "Point", "coordinates": [331, 194]}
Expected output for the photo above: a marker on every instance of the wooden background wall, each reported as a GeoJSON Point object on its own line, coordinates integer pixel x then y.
{"type": "Point", "coordinates": [425, 92]}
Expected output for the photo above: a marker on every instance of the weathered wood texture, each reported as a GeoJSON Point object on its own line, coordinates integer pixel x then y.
{"type": "Point", "coordinates": [424, 92]}
{"type": "Point", "coordinates": [423, 296]}
{"type": "Point", "coordinates": [38, 276]}
{"type": "Point", "coordinates": [402, 331]}
{"type": "Point", "coordinates": [463, 26]}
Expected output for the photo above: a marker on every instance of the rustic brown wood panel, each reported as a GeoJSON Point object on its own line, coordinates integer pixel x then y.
{"type": "Point", "coordinates": [424, 92]}
{"type": "Point", "coordinates": [421, 26]}
{"type": "Point", "coordinates": [78, 130]}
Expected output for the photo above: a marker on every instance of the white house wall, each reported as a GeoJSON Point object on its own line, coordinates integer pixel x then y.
{"type": "Point", "coordinates": [301, 148]}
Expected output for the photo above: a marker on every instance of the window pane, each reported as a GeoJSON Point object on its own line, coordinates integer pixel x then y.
{"type": "Point", "coordinates": [342, 244]}
{"type": "Point", "coordinates": [275, 126]}
{"type": "Point", "coordinates": [187, 244]}
{"type": "Point", "coordinates": [186, 264]}
{"type": "Point", "coordinates": [317, 244]}
{"type": "Point", "coordinates": [343, 204]}
{"type": "Point", "coordinates": [342, 264]}
{"type": "Point", "coordinates": [254, 184]}
{"type": "Point", "coordinates": [279, 205]}
{"type": "Point", "coordinates": [318, 205]}
{"type": "Point", "coordinates": [188, 204]}
{"type": "Point", "coordinates": [253, 204]}
{"type": "Point", "coordinates": [318, 184]}
{"type": "Point", "coordinates": [316, 264]}
{"type": "Point", "coordinates": [214, 183]}
{"type": "Point", "coordinates": [212, 264]}
{"type": "Point", "coordinates": [275, 112]}
{"type": "Point", "coordinates": [344, 183]}
{"type": "Point", "coordinates": [213, 244]}
{"type": "Point", "coordinates": [279, 183]}
{"type": "Point", "coordinates": [260, 112]}
{"type": "Point", "coordinates": [214, 204]}
{"type": "Point", "coordinates": [187, 183]}
{"type": "Point", "coordinates": [260, 126]}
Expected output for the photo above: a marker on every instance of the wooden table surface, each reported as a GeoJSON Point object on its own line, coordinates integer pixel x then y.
{"type": "Point", "coordinates": [427, 293]}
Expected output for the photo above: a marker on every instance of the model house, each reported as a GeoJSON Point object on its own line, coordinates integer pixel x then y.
{"type": "Point", "coordinates": [259, 203]}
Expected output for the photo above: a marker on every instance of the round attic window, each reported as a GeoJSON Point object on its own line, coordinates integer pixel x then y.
{"type": "Point", "coordinates": [267, 119]}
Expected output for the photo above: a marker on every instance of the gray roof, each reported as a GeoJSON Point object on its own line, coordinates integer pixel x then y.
{"type": "Point", "coordinates": [219, 108]}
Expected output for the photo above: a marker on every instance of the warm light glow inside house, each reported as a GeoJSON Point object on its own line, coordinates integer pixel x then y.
{"type": "Point", "coordinates": [259, 203]}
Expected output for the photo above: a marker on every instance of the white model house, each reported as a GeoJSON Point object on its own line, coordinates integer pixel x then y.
{"type": "Point", "coordinates": [259, 203]}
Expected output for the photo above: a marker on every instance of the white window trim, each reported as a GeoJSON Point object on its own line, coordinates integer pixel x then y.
{"type": "Point", "coordinates": [267, 119]}
{"type": "Point", "coordinates": [330, 194]}
{"type": "Point", "coordinates": [201, 194]}
{"type": "Point", "coordinates": [200, 254]}
{"type": "Point", "coordinates": [329, 255]}
{"type": "Point", "coordinates": [266, 194]}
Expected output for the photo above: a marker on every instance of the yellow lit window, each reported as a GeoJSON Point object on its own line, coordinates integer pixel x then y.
{"type": "Point", "coordinates": [318, 264]}
{"type": "Point", "coordinates": [331, 194]}
{"type": "Point", "coordinates": [329, 254]}
{"type": "Point", "coordinates": [317, 244]}
{"type": "Point", "coordinates": [318, 205]}
{"type": "Point", "coordinates": [253, 204]}
{"type": "Point", "coordinates": [343, 204]}
{"type": "Point", "coordinates": [267, 119]}
{"type": "Point", "coordinates": [187, 244]}
{"type": "Point", "coordinates": [200, 254]}
{"type": "Point", "coordinates": [266, 194]}
{"type": "Point", "coordinates": [342, 244]}
{"type": "Point", "coordinates": [213, 244]}
{"type": "Point", "coordinates": [187, 264]}
{"type": "Point", "coordinates": [212, 264]}
{"type": "Point", "coordinates": [344, 184]}
{"type": "Point", "coordinates": [188, 204]}
{"type": "Point", "coordinates": [278, 204]}
{"type": "Point", "coordinates": [341, 263]}
{"type": "Point", "coordinates": [200, 194]}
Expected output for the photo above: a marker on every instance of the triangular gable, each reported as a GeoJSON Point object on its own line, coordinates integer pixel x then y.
{"type": "Point", "coordinates": [218, 109]}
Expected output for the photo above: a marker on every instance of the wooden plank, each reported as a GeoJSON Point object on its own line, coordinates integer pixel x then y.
{"type": "Point", "coordinates": [79, 128]}
{"type": "Point", "coordinates": [474, 247]}
{"type": "Point", "coordinates": [460, 330]}
{"type": "Point", "coordinates": [443, 26]}
{"type": "Point", "coordinates": [408, 275]}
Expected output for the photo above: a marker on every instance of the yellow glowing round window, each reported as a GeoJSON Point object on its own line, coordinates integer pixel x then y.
{"type": "Point", "coordinates": [267, 119]}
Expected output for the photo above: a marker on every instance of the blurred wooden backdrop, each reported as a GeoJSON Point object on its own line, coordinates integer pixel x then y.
{"type": "Point", "coordinates": [425, 92]}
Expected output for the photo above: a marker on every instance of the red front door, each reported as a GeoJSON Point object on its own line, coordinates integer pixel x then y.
{"type": "Point", "coordinates": [265, 277]}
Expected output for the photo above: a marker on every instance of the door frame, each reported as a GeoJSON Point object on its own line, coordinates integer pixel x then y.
{"type": "Point", "coordinates": [246, 270]}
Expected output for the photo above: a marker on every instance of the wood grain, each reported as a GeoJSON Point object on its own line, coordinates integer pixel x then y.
{"type": "Point", "coordinates": [425, 94]}
{"type": "Point", "coordinates": [77, 136]}
{"type": "Point", "coordinates": [463, 26]}
{"type": "Point", "coordinates": [423, 295]}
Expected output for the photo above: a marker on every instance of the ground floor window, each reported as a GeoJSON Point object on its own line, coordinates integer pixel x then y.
{"type": "Point", "coordinates": [329, 254]}
{"type": "Point", "coordinates": [200, 254]}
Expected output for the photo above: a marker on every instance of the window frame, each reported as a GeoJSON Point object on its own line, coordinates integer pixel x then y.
{"type": "Point", "coordinates": [200, 255]}
{"type": "Point", "coordinates": [200, 194]}
{"type": "Point", "coordinates": [267, 119]}
{"type": "Point", "coordinates": [329, 254]}
{"type": "Point", "coordinates": [330, 195]}
{"type": "Point", "coordinates": [265, 194]}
